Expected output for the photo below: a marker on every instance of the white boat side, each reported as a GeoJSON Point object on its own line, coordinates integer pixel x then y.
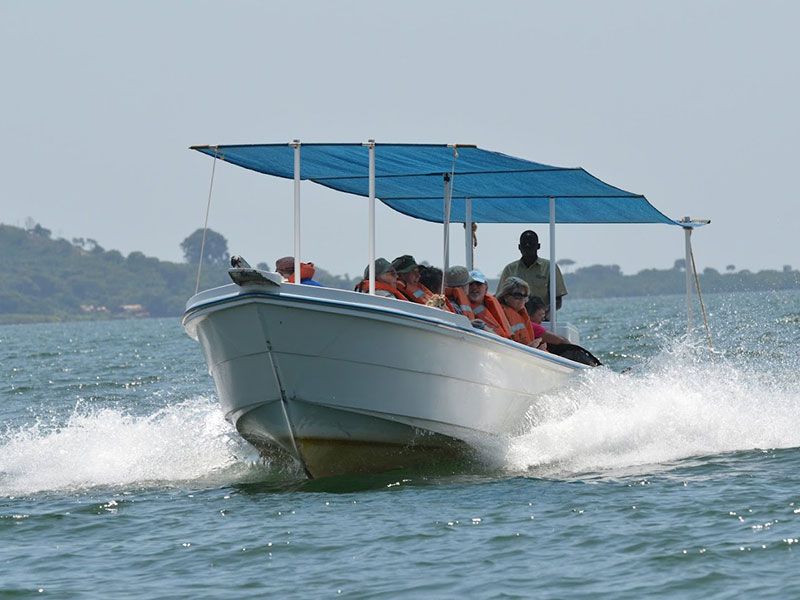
{"type": "Point", "coordinates": [348, 382]}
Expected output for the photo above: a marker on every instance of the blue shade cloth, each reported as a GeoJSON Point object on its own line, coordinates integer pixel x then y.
{"type": "Point", "coordinates": [410, 179]}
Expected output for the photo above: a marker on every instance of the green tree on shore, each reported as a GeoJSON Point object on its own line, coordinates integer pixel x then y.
{"type": "Point", "coordinates": [215, 249]}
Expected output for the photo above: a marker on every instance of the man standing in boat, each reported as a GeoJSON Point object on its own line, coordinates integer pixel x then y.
{"type": "Point", "coordinates": [534, 270]}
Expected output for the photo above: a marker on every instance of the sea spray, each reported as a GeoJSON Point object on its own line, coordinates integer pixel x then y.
{"type": "Point", "coordinates": [186, 441]}
{"type": "Point", "coordinates": [686, 401]}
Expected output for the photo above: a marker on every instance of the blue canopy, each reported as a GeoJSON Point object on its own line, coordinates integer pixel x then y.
{"type": "Point", "coordinates": [409, 179]}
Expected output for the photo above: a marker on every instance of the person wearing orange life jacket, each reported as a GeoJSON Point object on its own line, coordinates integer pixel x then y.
{"type": "Point", "coordinates": [408, 272]}
{"type": "Point", "coordinates": [512, 295]}
{"type": "Point", "coordinates": [431, 278]}
{"type": "Point", "coordinates": [285, 266]}
{"type": "Point", "coordinates": [485, 307]}
{"type": "Point", "coordinates": [385, 281]}
{"type": "Point", "coordinates": [456, 286]}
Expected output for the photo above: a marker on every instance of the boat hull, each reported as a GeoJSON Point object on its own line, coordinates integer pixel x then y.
{"type": "Point", "coordinates": [327, 441]}
{"type": "Point", "coordinates": [346, 382]}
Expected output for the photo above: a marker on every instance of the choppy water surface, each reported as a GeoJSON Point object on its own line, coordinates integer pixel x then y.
{"type": "Point", "coordinates": [675, 478]}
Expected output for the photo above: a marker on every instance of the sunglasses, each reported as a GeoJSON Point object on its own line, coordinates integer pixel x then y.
{"type": "Point", "coordinates": [518, 295]}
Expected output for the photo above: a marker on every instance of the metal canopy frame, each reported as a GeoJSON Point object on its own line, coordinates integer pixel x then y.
{"type": "Point", "coordinates": [687, 224]}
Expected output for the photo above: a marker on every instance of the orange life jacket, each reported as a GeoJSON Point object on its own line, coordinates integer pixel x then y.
{"type": "Point", "coordinates": [459, 302]}
{"type": "Point", "coordinates": [307, 271]}
{"type": "Point", "coordinates": [380, 285]}
{"type": "Point", "coordinates": [491, 312]}
{"type": "Point", "coordinates": [520, 325]}
{"type": "Point", "coordinates": [416, 292]}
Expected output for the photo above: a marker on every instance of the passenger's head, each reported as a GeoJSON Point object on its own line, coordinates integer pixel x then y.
{"type": "Point", "coordinates": [384, 271]}
{"type": "Point", "coordinates": [529, 245]}
{"type": "Point", "coordinates": [407, 269]}
{"type": "Point", "coordinates": [285, 266]}
{"type": "Point", "coordinates": [514, 292]}
{"type": "Point", "coordinates": [431, 278]}
{"type": "Point", "coordinates": [537, 309]}
{"type": "Point", "coordinates": [457, 277]}
{"type": "Point", "coordinates": [477, 286]}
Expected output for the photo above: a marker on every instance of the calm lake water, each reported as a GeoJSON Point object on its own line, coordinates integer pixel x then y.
{"type": "Point", "coordinates": [677, 478]}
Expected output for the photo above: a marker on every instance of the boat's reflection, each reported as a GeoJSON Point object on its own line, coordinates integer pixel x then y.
{"type": "Point", "coordinates": [449, 471]}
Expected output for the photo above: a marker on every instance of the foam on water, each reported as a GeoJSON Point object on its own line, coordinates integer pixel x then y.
{"type": "Point", "coordinates": [109, 447]}
{"type": "Point", "coordinates": [685, 402]}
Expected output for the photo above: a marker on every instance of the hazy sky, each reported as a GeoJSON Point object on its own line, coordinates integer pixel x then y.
{"type": "Point", "coordinates": [694, 104]}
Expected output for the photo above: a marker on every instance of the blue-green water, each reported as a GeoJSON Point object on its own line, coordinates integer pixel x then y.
{"type": "Point", "coordinates": [679, 478]}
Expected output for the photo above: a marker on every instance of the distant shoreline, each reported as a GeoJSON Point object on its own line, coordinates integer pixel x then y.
{"type": "Point", "coordinates": [28, 319]}
{"type": "Point", "coordinates": [54, 280]}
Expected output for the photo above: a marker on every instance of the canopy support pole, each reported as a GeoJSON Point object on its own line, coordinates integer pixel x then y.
{"type": "Point", "coordinates": [468, 232]}
{"type": "Point", "coordinates": [446, 222]}
{"type": "Point", "coordinates": [371, 146]}
{"type": "Point", "coordinates": [687, 231]}
{"type": "Point", "coordinates": [688, 225]}
{"type": "Point", "coordinates": [205, 224]}
{"type": "Point", "coordinates": [296, 145]}
{"type": "Point", "coordinates": [553, 282]}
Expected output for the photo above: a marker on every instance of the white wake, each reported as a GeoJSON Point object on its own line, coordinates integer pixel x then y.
{"type": "Point", "coordinates": [109, 447]}
{"type": "Point", "coordinates": [683, 403]}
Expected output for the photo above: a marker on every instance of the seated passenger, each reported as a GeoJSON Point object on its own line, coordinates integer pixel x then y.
{"type": "Point", "coordinates": [513, 295]}
{"type": "Point", "coordinates": [557, 344]}
{"type": "Point", "coordinates": [285, 266]}
{"type": "Point", "coordinates": [486, 307]}
{"type": "Point", "coordinates": [456, 286]}
{"type": "Point", "coordinates": [431, 278]}
{"type": "Point", "coordinates": [385, 280]}
{"type": "Point", "coordinates": [408, 272]}
{"type": "Point", "coordinates": [538, 310]}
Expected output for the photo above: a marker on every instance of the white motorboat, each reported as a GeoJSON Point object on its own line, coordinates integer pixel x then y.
{"type": "Point", "coordinates": [348, 382]}
{"type": "Point", "coordinates": [345, 382]}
